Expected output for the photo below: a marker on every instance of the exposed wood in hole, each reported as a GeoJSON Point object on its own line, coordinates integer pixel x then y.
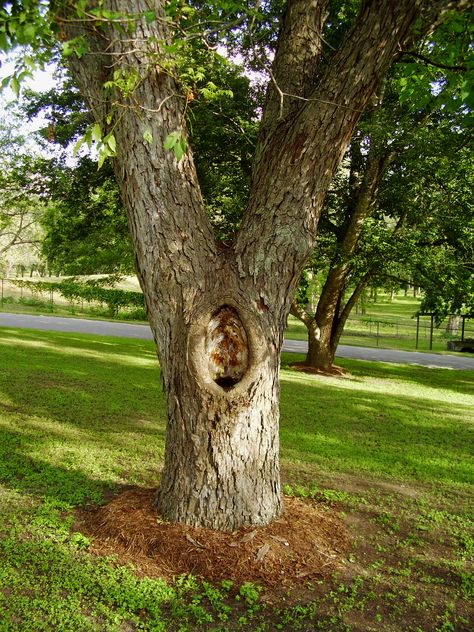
{"type": "Point", "coordinates": [227, 347]}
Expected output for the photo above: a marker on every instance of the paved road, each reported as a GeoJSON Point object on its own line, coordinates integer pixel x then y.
{"type": "Point", "coordinates": [128, 330]}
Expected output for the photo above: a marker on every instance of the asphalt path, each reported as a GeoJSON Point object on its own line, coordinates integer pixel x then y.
{"type": "Point", "coordinates": [129, 330]}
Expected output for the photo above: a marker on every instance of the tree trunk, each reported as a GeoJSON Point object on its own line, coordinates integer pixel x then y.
{"type": "Point", "coordinates": [324, 336]}
{"type": "Point", "coordinates": [221, 468]}
{"type": "Point", "coordinates": [217, 314]}
{"type": "Point", "coordinates": [321, 350]}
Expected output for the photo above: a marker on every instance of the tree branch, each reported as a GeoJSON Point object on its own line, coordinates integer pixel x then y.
{"type": "Point", "coordinates": [430, 62]}
{"type": "Point", "coordinates": [168, 221]}
{"type": "Point", "coordinates": [298, 155]}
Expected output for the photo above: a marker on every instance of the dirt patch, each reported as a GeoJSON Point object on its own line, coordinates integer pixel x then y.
{"type": "Point", "coordinates": [330, 371]}
{"type": "Point", "coordinates": [306, 542]}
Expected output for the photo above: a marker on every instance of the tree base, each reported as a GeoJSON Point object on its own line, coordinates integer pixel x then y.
{"type": "Point", "coordinates": [305, 542]}
{"type": "Point", "coordinates": [305, 368]}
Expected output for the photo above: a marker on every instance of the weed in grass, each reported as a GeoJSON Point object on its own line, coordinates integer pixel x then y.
{"type": "Point", "coordinates": [467, 584]}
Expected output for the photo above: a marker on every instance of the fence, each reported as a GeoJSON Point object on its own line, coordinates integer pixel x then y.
{"type": "Point", "coordinates": [416, 333]}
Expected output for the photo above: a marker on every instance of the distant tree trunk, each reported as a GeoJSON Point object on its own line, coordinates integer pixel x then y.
{"type": "Point", "coordinates": [218, 313]}
{"type": "Point", "coordinates": [324, 339]}
{"type": "Point", "coordinates": [330, 316]}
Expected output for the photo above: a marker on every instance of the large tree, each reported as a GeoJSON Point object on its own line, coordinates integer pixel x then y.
{"type": "Point", "coordinates": [218, 311]}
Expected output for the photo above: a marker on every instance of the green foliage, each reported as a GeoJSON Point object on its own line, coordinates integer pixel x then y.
{"type": "Point", "coordinates": [177, 143]}
{"type": "Point", "coordinates": [222, 136]}
{"type": "Point", "coordinates": [105, 146]}
{"type": "Point", "coordinates": [91, 290]}
{"type": "Point", "coordinates": [85, 226]}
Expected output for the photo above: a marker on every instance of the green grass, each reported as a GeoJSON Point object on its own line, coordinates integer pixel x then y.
{"type": "Point", "coordinates": [387, 446]}
{"type": "Point", "coordinates": [367, 423]}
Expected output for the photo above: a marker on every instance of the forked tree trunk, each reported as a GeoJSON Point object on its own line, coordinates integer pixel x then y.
{"type": "Point", "coordinates": [218, 314]}
{"type": "Point", "coordinates": [324, 336]}
{"type": "Point", "coordinates": [326, 326]}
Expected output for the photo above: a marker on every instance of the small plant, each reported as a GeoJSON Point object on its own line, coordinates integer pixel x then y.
{"type": "Point", "coordinates": [249, 593]}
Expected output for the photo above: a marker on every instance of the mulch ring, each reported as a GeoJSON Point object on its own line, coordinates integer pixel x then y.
{"type": "Point", "coordinates": [306, 542]}
{"type": "Point", "coordinates": [337, 371]}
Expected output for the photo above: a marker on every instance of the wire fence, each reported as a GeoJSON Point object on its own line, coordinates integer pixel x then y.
{"type": "Point", "coordinates": [422, 333]}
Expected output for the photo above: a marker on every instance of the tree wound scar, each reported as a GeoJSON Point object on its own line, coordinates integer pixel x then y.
{"type": "Point", "coordinates": [226, 347]}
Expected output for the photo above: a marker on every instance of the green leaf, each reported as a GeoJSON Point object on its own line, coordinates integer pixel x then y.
{"type": "Point", "coordinates": [15, 85]}
{"type": "Point", "coordinates": [78, 145]}
{"type": "Point", "coordinates": [67, 50]}
{"type": "Point", "coordinates": [88, 138]}
{"type": "Point", "coordinates": [4, 45]}
{"type": "Point", "coordinates": [180, 148]}
{"type": "Point", "coordinates": [29, 32]}
{"type": "Point", "coordinates": [111, 142]}
{"type": "Point", "coordinates": [102, 157]}
{"type": "Point", "coordinates": [150, 16]}
{"type": "Point", "coordinates": [177, 143]}
{"type": "Point", "coordinates": [171, 140]}
{"type": "Point", "coordinates": [96, 133]}
{"type": "Point", "coordinates": [466, 89]}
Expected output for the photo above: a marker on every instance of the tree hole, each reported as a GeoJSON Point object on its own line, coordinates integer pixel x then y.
{"type": "Point", "coordinates": [227, 347]}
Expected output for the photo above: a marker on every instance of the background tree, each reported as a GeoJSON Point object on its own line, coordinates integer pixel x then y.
{"type": "Point", "coordinates": [218, 311]}
{"type": "Point", "coordinates": [21, 207]}
{"type": "Point", "coordinates": [382, 212]}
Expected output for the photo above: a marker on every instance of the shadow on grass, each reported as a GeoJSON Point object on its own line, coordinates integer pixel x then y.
{"type": "Point", "coordinates": [78, 414]}
{"type": "Point", "coordinates": [450, 379]}
{"type": "Point", "coordinates": [40, 479]}
{"type": "Point", "coordinates": [100, 386]}
{"type": "Point", "coordinates": [447, 379]}
{"type": "Point", "coordinates": [385, 434]}
{"type": "Point", "coordinates": [94, 406]}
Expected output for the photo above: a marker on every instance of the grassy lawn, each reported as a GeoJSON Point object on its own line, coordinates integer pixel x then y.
{"type": "Point", "coordinates": [387, 447]}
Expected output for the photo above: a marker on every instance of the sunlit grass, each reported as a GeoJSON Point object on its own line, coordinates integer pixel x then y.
{"type": "Point", "coordinates": [386, 420]}
{"type": "Point", "coordinates": [80, 415]}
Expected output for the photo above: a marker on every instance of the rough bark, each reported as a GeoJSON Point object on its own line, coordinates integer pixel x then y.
{"type": "Point", "coordinates": [218, 313]}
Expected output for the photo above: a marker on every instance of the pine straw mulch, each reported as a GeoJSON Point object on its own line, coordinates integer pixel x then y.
{"type": "Point", "coordinates": [305, 543]}
{"type": "Point", "coordinates": [332, 371]}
